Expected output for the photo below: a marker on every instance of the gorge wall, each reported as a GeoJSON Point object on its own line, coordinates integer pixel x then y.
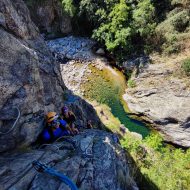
{"type": "Point", "coordinates": [49, 17]}
{"type": "Point", "coordinates": [30, 79]}
{"type": "Point", "coordinates": [29, 76]}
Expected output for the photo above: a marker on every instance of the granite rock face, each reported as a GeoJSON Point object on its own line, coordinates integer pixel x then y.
{"type": "Point", "coordinates": [95, 162]}
{"type": "Point", "coordinates": [164, 100]}
{"type": "Point", "coordinates": [48, 15]}
{"type": "Point", "coordinates": [29, 80]}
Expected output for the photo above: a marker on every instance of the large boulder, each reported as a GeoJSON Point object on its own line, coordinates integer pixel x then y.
{"type": "Point", "coordinates": [95, 162]}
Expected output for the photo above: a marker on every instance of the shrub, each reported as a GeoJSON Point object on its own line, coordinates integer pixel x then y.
{"type": "Point", "coordinates": [143, 16]}
{"type": "Point", "coordinates": [186, 66]}
{"type": "Point", "coordinates": [131, 83]}
{"type": "Point", "coordinates": [165, 167]}
{"type": "Point", "coordinates": [115, 32]}
{"type": "Point", "coordinates": [173, 30]}
{"type": "Point", "coordinates": [69, 7]}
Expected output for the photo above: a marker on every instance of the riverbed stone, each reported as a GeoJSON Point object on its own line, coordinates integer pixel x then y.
{"type": "Point", "coordinates": [76, 48]}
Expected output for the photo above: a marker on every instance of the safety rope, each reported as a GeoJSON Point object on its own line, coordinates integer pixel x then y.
{"type": "Point", "coordinates": [64, 139]}
{"type": "Point", "coordinates": [14, 124]}
{"type": "Point", "coordinates": [45, 169]}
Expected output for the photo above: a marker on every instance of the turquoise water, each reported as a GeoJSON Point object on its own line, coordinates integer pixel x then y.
{"type": "Point", "coordinates": [132, 124]}
{"type": "Point", "coordinates": [107, 88]}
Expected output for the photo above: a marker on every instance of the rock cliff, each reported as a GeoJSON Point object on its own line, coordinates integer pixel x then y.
{"type": "Point", "coordinates": [49, 17]}
{"type": "Point", "coordinates": [30, 79]}
{"type": "Point", "coordinates": [97, 162]}
{"type": "Point", "coordinates": [163, 98]}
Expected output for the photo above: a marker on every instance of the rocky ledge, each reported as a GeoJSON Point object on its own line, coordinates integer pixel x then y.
{"type": "Point", "coordinates": [96, 161]}
{"type": "Point", "coordinates": [164, 100]}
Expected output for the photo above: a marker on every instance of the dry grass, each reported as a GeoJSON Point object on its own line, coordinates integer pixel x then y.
{"type": "Point", "coordinates": [174, 62]}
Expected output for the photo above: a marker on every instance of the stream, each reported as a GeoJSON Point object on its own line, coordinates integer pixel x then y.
{"type": "Point", "coordinates": [107, 86]}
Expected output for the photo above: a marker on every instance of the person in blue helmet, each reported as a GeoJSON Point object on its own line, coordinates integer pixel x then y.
{"type": "Point", "coordinates": [55, 128]}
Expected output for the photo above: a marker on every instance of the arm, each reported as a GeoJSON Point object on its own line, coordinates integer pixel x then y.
{"type": "Point", "coordinates": [64, 126]}
{"type": "Point", "coordinates": [72, 115]}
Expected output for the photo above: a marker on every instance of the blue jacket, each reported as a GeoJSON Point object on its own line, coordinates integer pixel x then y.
{"type": "Point", "coordinates": [48, 135]}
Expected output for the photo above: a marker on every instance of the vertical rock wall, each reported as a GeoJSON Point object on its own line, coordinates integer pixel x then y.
{"type": "Point", "coordinates": [29, 77]}
{"type": "Point", "coordinates": [50, 18]}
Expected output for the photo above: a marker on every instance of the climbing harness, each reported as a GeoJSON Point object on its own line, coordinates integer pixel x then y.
{"type": "Point", "coordinates": [14, 124]}
{"type": "Point", "coordinates": [45, 169]}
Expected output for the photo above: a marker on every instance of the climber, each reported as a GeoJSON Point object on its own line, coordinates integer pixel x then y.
{"type": "Point", "coordinates": [55, 128]}
{"type": "Point", "coordinates": [70, 118]}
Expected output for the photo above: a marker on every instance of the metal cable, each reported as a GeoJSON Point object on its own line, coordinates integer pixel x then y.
{"type": "Point", "coordinates": [14, 124]}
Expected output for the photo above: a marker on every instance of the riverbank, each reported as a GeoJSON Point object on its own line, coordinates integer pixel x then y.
{"type": "Point", "coordinates": [161, 95]}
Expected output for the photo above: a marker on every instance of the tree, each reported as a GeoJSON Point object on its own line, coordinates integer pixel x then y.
{"type": "Point", "coordinates": [143, 16]}
{"type": "Point", "coordinates": [115, 31]}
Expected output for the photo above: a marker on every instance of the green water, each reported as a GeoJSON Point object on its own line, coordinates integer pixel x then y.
{"type": "Point", "coordinates": [107, 88]}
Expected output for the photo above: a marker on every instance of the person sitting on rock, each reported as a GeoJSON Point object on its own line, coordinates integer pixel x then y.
{"type": "Point", "coordinates": [55, 128]}
{"type": "Point", "coordinates": [70, 118]}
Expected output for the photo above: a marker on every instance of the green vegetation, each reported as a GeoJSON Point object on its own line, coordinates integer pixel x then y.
{"type": "Point", "coordinates": [127, 27]}
{"type": "Point", "coordinates": [186, 66]}
{"type": "Point", "coordinates": [131, 83]}
{"type": "Point", "coordinates": [155, 166]}
{"type": "Point", "coordinates": [174, 29]}
{"type": "Point", "coordinates": [162, 167]}
{"type": "Point", "coordinates": [69, 7]}
{"type": "Point", "coordinates": [107, 86]}
{"type": "Point", "coordinates": [115, 32]}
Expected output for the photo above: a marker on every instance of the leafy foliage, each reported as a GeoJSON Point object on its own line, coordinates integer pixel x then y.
{"type": "Point", "coordinates": [125, 27]}
{"type": "Point", "coordinates": [143, 16]}
{"type": "Point", "coordinates": [69, 7]}
{"type": "Point", "coordinates": [115, 23]}
{"type": "Point", "coordinates": [115, 32]}
{"type": "Point", "coordinates": [165, 167]}
{"type": "Point", "coordinates": [131, 83]}
{"type": "Point", "coordinates": [174, 29]}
